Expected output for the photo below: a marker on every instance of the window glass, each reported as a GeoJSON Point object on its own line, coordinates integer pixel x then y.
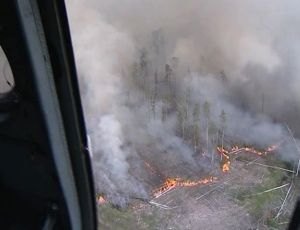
{"type": "Point", "coordinates": [6, 76]}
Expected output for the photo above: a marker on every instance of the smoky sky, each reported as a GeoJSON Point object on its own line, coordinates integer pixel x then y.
{"type": "Point", "coordinates": [241, 56]}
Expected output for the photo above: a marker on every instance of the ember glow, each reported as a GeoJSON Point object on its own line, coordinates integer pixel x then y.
{"type": "Point", "coordinates": [172, 183]}
{"type": "Point", "coordinates": [226, 166]}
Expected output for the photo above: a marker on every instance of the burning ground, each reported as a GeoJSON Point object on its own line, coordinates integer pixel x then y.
{"type": "Point", "coordinates": [249, 196]}
{"type": "Point", "coordinates": [181, 97]}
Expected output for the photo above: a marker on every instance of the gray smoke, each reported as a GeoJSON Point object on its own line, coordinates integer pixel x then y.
{"type": "Point", "coordinates": [240, 56]}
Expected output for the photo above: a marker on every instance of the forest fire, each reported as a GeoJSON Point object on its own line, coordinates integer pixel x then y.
{"type": "Point", "coordinates": [226, 166]}
{"type": "Point", "coordinates": [225, 158]}
{"type": "Point", "coordinates": [100, 199]}
{"type": "Point", "coordinates": [171, 183]}
{"type": "Point", "coordinates": [236, 150]}
{"type": "Point", "coordinates": [225, 153]}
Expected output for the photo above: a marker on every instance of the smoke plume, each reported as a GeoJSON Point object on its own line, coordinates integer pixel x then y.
{"type": "Point", "coordinates": [144, 66]}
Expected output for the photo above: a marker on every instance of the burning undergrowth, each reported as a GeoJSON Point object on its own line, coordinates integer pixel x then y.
{"type": "Point", "coordinates": [167, 84]}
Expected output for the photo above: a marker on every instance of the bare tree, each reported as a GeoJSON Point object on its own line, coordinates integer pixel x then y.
{"type": "Point", "coordinates": [168, 74]}
{"type": "Point", "coordinates": [207, 121]}
{"type": "Point", "coordinates": [212, 135]}
{"type": "Point", "coordinates": [156, 82]}
{"type": "Point", "coordinates": [163, 113]}
{"type": "Point", "coordinates": [181, 116]}
{"type": "Point", "coordinates": [196, 127]}
{"type": "Point", "coordinates": [223, 126]}
{"type": "Point", "coordinates": [144, 68]}
{"type": "Point", "coordinates": [187, 102]}
{"type": "Point", "coordinates": [153, 104]}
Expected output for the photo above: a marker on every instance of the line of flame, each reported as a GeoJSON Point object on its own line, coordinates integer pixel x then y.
{"type": "Point", "coordinates": [172, 183]}
{"type": "Point", "coordinates": [225, 153]}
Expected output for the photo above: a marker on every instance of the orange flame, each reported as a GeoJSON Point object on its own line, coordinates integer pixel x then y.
{"type": "Point", "coordinates": [237, 149]}
{"type": "Point", "coordinates": [225, 165]}
{"type": "Point", "coordinates": [171, 183]}
{"type": "Point", "coordinates": [223, 152]}
{"type": "Point", "coordinates": [101, 200]}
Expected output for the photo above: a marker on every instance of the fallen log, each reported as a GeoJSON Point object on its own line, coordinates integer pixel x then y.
{"type": "Point", "coordinates": [266, 191]}
{"type": "Point", "coordinates": [283, 203]}
{"type": "Point", "coordinates": [269, 166]}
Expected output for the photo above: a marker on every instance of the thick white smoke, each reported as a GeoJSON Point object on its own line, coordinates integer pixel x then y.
{"type": "Point", "coordinates": [241, 56]}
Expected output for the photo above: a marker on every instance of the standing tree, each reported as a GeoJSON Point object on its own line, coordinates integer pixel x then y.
{"type": "Point", "coordinates": [262, 102]}
{"type": "Point", "coordinates": [183, 113]}
{"type": "Point", "coordinates": [167, 102]}
{"type": "Point", "coordinates": [223, 126]}
{"type": "Point", "coordinates": [168, 73]}
{"type": "Point", "coordinates": [196, 127]}
{"type": "Point", "coordinates": [168, 81]}
{"type": "Point", "coordinates": [210, 129]}
{"type": "Point", "coordinates": [144, 68]}
{"type": "Point", "coordinates": [212, 133]}
{"type": "Point", "coordinates": [153, 104]}
{"type": "Point", "coordinates": [174, 66]}
{"type": "Point", "coordinates": [156, 82]}
{"type": "Point", "coordinates": [181, 116]}
{"type": "Point", "coordinates": [153, 96]}
{"type": "Point", "coordinates": [187, 102]}
{"type": "Point", "coordinates": [165, 107]}
{"type": "Point", "coordinates": [207, 121]}
{"type": "Point", "coordinates": [136, 73]}
{"type": "Point", "coordinates": [163, 112]}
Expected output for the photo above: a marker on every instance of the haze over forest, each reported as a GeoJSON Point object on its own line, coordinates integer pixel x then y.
{"type": "Point", "coordinates": [168, 81]}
